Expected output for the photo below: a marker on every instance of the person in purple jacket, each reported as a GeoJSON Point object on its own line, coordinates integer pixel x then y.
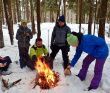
{"type": "Point", "coordinates": [96, 48]}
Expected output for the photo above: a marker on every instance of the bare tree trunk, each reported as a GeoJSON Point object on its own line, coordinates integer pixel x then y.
{"type": "Point", "coordinates": [80, 15]}
{"type": "Point", "coordinates": [18, 7]}
{"type": "Point", "coordinates": [23, 9]}
{"type": "Point", "coordinates": [27, 10]}
{"type": "Point", "coordinates": [109, 29]}
{"type": "Point", "coordinates": [52, 16]}
{"type": "Point", "coordinates": [41, 14]}
{"type": "Point", "coordinates": [77, 12]}
{"type": "Point", "coordinates": [43, 11]}
{"type": "Point", "coordinates": [102, 18]}
{"type": "Point", "coordinates": [108, 13]}
{"type": "Point", "coordinates": [8, 15]}
{"type": "Point", "coordinates": [14, 11]}
{"type": "Point", "coordinates": [44, 16]}
{"type": "Point", "coordinates": [1, 33]}
{"type": "Point", "coordinates": [90, 16]}
{"type": "Point", "coordinates": [98, 10]}
{"type": "Point", "coordinates": [38, 18]}
{"type": "Point", "coordinates": [64, 2]}
{"type": "Point", "coordinates": [3, 14]}
{"type": "Point", "coordinates": [71, 16]}
{"type": "Point", "coordinates": [32, 17]}
{"type": "Point", "coordinates": [58, 12]}
{"type": "Point", "coordinates": [95, 17]}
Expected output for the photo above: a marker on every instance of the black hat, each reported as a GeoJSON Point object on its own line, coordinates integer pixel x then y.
{"type": "Point", "coordinates": [61, 18]}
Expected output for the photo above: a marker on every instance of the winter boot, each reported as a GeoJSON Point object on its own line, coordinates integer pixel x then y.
{"type": "Point", "coordinates": [80, 77]}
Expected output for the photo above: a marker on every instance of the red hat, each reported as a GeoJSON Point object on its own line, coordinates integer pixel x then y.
{"type": "Point", "coordinates": [38, 39]}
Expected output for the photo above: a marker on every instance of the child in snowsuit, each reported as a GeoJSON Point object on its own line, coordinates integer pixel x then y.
{"type": "Point", "coordinates": [4, 64]}
{"type": "Point", "coordinates": [96, 48]}
{"type": "Point", "coordinates": [36, 51]}
{"type": "Point", "coordinates": [23, 36]}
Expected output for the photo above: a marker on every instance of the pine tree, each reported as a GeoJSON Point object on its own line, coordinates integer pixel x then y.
{"type": "Point", "coordinates": [64, 2]}
{"type": "Point", "coordinates": [58, 10]}
{"type": "Point", "coordinates": [1, 33]}
{"type": "Point", "coordinates": [14, 11]}
{"type": "Point", "coordinates": [38, 18]}
{"type": "Point", "coordinates": [27, 10]}
{"type": "Point", "coordinates": [32, 17]}
{"type": "Point", "coordinates": [102, 18]}
{"type": "Point", "coordinates": [90, 16]}
{"type": "Point", "coordinates": [80, 15]}
{"type": "Point", "coordinates": [18, 7]}
{"type": "Point", "coordinates": [8, 15]}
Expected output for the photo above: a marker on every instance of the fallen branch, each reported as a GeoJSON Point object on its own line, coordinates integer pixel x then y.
{"type": "Point", "coordinates": [7, 85]}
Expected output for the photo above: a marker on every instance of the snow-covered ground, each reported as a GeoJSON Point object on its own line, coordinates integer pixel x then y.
{"type": "Point", "coordinates": [69, 84]}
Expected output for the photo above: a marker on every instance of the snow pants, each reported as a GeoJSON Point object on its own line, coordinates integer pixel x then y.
{"type": "Point", "coordinates": [64, 50]}
{"type": "Point", "coordinates": [97, 70]}
{"type": "Point", "coordinates": [24, 56]}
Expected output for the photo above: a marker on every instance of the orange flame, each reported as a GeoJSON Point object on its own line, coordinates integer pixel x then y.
{"type": "Point", "coordinates": [49, 77]}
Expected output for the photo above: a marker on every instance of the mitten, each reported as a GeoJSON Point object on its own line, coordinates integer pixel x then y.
{"type": "Point", "coordinates": [67, 71]}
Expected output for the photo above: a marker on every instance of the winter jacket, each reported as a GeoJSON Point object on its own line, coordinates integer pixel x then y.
{"type": "Point", "coordinates": [38, 51]}
{"type": "Point", "coordinates": [21, 36]}
{"type": "Point", "coordinates": [94, 46]}
{"type": "Point", "coordinates": [59, 35]}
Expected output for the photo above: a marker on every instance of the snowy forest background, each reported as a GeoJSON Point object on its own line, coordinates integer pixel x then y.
{"type": "Point", "coordinates": [75, 11]}
{"type": "Point", "coordinates": [86, 16]}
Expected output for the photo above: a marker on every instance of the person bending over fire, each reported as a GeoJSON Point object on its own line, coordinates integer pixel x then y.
{"type": "Point", "coordinates": [96, 48]}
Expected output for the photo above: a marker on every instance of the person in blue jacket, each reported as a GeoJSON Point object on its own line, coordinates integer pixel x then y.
{"type": "Point", "coordinates": [96, 48]}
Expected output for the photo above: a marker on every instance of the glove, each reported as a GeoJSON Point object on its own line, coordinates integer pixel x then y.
{"type": "Point", "coordinates": [46, 57]}
{"type": "Point", "coordinates": [2, 65]}
{"type": "Point", "coordinates": [34, 58]}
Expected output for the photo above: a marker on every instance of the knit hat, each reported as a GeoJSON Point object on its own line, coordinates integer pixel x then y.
{"type": "Point", "coordinates": [62, 18]}
{"type": "Point", "coordinates": [38, 39]}
{"type": "Point", "coordinates": [23, 22]}
{"type": "Point", "coordinates": [72, 40]}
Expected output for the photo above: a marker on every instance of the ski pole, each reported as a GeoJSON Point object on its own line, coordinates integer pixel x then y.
{"type": "Point", "coordinates": [48, 42]}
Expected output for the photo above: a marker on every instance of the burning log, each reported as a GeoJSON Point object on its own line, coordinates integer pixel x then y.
{"type": "Point", "coordinates": [46, 78]}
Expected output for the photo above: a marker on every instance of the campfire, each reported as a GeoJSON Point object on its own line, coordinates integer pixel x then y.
{"type": "Point", "coordinates": [45, 78]}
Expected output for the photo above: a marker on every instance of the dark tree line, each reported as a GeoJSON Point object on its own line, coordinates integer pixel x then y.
{"type": "Point", "coordinates": [85, 11]}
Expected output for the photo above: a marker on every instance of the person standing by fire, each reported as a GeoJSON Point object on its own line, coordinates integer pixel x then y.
{"type": "Point", "coordinates": [23, 36]}
{"type": "Point", "coordinates": [58, 41]}
{"type": "Point", "coordinates": [38, 50]}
